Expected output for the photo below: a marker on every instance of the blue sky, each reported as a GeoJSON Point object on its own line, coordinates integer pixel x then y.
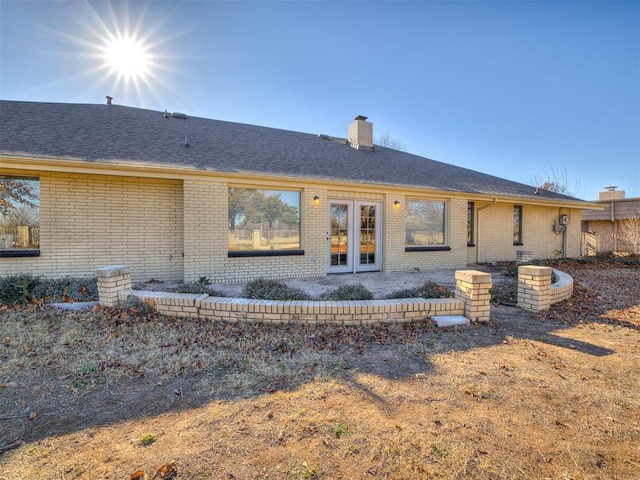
{"type": "Point", "coordinates": [509, 88]}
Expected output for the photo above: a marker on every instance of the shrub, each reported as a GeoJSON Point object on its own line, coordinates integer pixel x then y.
{"type": "Point", "coordinates": [132, 310]}
{"type": "Point", "coordinates": [349, 292]}
{"type": "Point", "coordinates": [23, 289]}
{"type": "Point", "coordinates": [272, 290]}
{"type": "Point", "coordinates": [427, 290]}
{"type": "Point", "coordinates": [196, 287]}
{"type": "Point", "coordinates": [16, 289]}
{"type": "Point", "coordinates": [67, 289]}
{"type": "Point", "coordinates": [505, 293]}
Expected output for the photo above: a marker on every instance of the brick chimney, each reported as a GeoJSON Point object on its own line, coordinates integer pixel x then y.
{"type": "Point", "coordinates": [360, 134]}
{"type": "Point", "coordinates": [610, 193]}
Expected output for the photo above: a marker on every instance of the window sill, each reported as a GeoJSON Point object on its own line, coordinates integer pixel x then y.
{"type": "Point", "coordinates": [263, 253]}
{"type": "Point", "coordinates": [19, 253]}
{"type": "Point", "coordinates": [428, 248]}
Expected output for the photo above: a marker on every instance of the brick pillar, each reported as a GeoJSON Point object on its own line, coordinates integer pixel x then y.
{"type": "Point", "coordinates": [534, 288]}
{"type": "Point", "coordinates": [472, 286]}
{"type": "Point", "coordinates": [112, 280]}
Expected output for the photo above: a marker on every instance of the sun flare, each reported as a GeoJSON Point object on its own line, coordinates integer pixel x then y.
{"type": "Point", "coordinates": [128, 58]}
{"type": "Point", "coordinates": [121, 49]}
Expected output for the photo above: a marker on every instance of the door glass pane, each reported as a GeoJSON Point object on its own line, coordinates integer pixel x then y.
{"type": "Point", "coordinates": [339, 234]}
{"type": "Point", "coordinates": [367, 234]}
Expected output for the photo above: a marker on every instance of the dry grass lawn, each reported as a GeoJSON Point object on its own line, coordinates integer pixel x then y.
{"type": "Point", "coordinates": [99, 395]}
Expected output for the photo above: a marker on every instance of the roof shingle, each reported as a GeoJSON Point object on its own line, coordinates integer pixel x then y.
{"type": "Point", "coordinates": [122, 135]}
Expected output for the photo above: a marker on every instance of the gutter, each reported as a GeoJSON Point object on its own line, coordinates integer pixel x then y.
{"type": "Point", "coordinates": [158, 170]}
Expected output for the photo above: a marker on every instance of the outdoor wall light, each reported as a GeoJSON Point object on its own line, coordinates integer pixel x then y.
{"type": "Point", "coordinates": [316, 200]}
{"type": "Point", "coordinates": [396, 204]}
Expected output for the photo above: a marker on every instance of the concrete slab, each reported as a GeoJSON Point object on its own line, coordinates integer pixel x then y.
{"type": "Point", "coordinates": [75, 306]}
{"type": "Point", "coordinates": [451, 320]}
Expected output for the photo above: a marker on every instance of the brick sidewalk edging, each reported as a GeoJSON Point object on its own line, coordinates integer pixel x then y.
{"type": "Point", "coordinates": [359, 312]}
{"type": "Point", "coordinates": [472, 299]}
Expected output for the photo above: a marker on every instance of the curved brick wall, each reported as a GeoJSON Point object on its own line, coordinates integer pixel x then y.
{"type": "Point", "coordinates": [563, 288]}
{"type": "Point", "coordinates": [472, 299]}
{"type": "Point", "coordinates": [345, 313]}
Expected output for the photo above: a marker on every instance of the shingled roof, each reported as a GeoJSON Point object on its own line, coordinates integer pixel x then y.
{"type": "Point", "coordinates": [120, 135]}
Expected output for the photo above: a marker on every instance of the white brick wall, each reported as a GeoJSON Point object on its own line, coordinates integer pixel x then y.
{"type": "Point", "coordinates": [494, 234]}
{"type": "Point", "coordinates": [396, 259]}
{"type": "Point", "coordinates": [178, 230]}
{"type": "Point", "coordinates": [89, 221]}
{"type": "Point", "coordinates": [206, 218]}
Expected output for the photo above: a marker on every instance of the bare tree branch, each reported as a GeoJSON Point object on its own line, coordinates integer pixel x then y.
{"type": "Point", "coordinates": [386, 140]}
{"type": "Point", "coordinates": [16, 191]}
{"type": "Point", "coordinates": [556, 180]}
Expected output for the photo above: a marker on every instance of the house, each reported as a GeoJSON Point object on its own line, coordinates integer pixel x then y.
{"type": "Point", "coordinates": [179, 198]}
{"type": "Point", "coordinates": [616, 228]}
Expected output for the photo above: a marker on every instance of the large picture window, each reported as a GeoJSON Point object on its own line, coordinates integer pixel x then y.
{"type": "Point", "coordinates": [425, 225]}
{"type": "Point", "coordinates": [19, 216]}
{"type": "Point", "coordinates": [264, 222]}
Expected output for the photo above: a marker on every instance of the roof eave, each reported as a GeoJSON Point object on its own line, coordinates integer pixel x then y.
{"type": "Point", "coordinates": [151, 170]}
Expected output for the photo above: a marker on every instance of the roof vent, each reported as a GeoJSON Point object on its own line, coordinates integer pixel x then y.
{"type": "Point", "coordinates": [166, 114]}
{"type": "Point", "coordinates": [360, 134]}
{"type": "Point", "coordinates": [182, 116]}
{"type": "Point", "coordinates": [109, 98]}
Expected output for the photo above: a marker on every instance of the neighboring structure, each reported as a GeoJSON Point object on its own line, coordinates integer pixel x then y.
{"type": "Point", "coordinates": [616, 228]}
{"type": "Point", "coordinates": [180, 198]}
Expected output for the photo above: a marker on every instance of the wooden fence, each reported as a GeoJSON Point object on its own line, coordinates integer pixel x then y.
{"type": "Point", "coordinates": [599, 242]}
{"type": "Point", "coordinates": [19, 237]}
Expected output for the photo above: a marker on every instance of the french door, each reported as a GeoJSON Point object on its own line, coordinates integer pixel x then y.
{"type": "Point", "coordinates": [354, 236]}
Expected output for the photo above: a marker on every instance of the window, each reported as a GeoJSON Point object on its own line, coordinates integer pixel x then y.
{"type": "Point", "coordinates": [517, 224]}
{"type": "Point", "coordinates": [425, 225]}
{"type": "Point", "coordinates": [19, 216]}
{"type": "Point", "coordinates": [264, 222]}
{"type": "Point", "coordinates": [470, 224]}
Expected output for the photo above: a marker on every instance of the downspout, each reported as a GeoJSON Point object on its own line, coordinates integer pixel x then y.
{"type": "Point", "coordinates": [495, 200]}
{"type": "Point", "coordinates": [564, 242]}
{"type": "Point", "coordinates": [615, 226]}
{"type": "Point", "coordinates": [563, 247]}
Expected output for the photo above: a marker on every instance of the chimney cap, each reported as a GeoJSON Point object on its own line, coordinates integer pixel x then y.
{"type": "Point", "coordinates": [611, 188]}
{"type": "Point", "coordinates": [361, 117]}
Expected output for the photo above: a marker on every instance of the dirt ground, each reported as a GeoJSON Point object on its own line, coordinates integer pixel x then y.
{"type": "Point", "coordinates": [103, 394]}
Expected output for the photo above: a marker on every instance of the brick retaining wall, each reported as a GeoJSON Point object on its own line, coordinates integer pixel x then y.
{"type": "Point", "coordinates": [535, 290]}
{"type": "Point", "coordinates": [341, 312]}
{"type": "Point", "coordinates": [472, 299]}
{"type": "Point", "coordinates": [562, 289]}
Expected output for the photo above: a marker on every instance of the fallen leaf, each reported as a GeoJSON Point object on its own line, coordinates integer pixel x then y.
{"type": "Point", "coordinates": [33, 415]}
{"type": "Point", "coordinates": [167, 471]}
{"type": "Point", "coordinates": [138, 475]}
